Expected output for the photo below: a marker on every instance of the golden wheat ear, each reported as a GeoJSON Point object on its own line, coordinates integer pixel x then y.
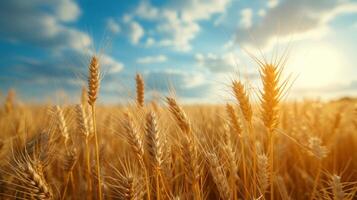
{"type": "Point", "coordinates": [93, 80]}
{"type": "Point", "coordinates": [133, 136]}
{"type": "Point", "coordinates": [153, 140]}
{"type": "Point", "coordinates": [28, 176]}
{"type": "Point", "coordinates": [234, 122]}
{"type": "Point", "coordinates": [125, 180]}
{"type": "Point", "coordinates": [140, 90]}
{"type": "Point", "coordinates": [219, 176]}
{"type": "Point", "coordinates": [179, 115]}
{"type": "Point", "coordinates": [242, 98]}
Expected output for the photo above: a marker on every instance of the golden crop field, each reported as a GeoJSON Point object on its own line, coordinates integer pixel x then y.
{"type": "Point", "coordinates": [163, 149]}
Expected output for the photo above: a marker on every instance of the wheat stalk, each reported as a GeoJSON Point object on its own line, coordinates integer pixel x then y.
{"type": "Point", "coordinates": [137, 146]}
{"type": "Point", "coordinates": [232, 160]}
{"type": "Point", "coordinates": [338, 193]}
{"type": "Point", "coordinates": [273, 91]}
{"type": "Point", "coordinates": [82, 121]}
{"type": "Point", "coordinates": [219, 177]}
{"type": "Point", "coordinates": [154, 147]}
{"type": "Point", "coordinates": [69, 163]}
{"type": "Point", "coordinates": [242, 98]}
{"type": "Point", "coordinates": [189, 148]}
{"type": "Point", "coordinates": [93, 89]}
{"type": "Point", "coordinates": [236, 125]}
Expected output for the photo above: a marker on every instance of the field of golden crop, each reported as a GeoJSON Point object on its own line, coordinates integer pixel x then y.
{"type": "Point", "coordinates": [166, 150]}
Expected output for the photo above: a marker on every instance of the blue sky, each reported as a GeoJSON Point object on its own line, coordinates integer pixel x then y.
{"type": "Point", "coordinates": [195, 47]}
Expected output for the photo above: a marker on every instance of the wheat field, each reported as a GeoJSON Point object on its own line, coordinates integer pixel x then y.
{"type": "Point", "coordinates": [163, 149]}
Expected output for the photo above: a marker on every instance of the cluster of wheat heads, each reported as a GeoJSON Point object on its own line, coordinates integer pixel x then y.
{"type": "Point", "coordinates": [163, 150]}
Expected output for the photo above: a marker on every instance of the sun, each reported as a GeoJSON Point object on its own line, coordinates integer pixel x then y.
{"type": "Point", "coordinates": [317, 65]}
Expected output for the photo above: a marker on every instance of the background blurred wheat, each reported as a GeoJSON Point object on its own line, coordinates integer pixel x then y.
{"type": "Point", "coordinates": [164, 150]}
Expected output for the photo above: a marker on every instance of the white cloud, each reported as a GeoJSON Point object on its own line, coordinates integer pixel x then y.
{"type": "Point", "coordinates": [146, 11]}
{"type": "Point", "coordinates": [272, 3]}
{"type": "Point", "coordinates": [298, 18]}
{"type": "Point", "coordinates": [217, 63]}
{"type": "Point", "coordinates": [152, 59]}
{"type": "Point", "coordinates": [202, 9]}
{"type": "Point", "coordinates": [111, 65]}
{"type": "Point", "coordinates": [150, 42]}
{"type": "Point", "coordinates": [136, 32]}
{"type": "Point", "coordinates": [113, 26]}
{"type": "Point", "coordinates": [132, 29]}
{"type": "Point", "coordinates": [177, 25]}
{"type": "Point", "coordinates": [247, 17]}
{"type": "Point", "coordinates": [177, 33]}
{"type": "Point", "coordinates": [67, 10]}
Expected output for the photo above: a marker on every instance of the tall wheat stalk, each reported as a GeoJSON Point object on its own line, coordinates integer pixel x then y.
{"type": "Point", "coordinates": [137, 146]}
{"type": "Point", "coordinates": [189, 148]}
{"type": "Point", "coordinates": [93, 89]}
{"type": "Point", "coordinates": [155, 150]}
{"type": "Point", "coordinates": [70, 162]}
{"type": "Point", "coordinates": [82, 121]}
{"type": "Point", "coordinates": [242, 98]}
{"type": "Point", "coordinates": [273, 91]}
{"type": "Point", "coordinates": [235, 124]}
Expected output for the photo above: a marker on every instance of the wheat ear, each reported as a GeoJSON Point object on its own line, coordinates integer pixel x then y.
{"type": "Point", "coordinates": [82, 121]}
{"type": "Point", "coordinates": [140, 90]}
{"type": "Point", "coordinates": [126, 184]}
{"type": "Point", "coordinates": [69, 163]}
{"type": "Point", "coordinates": [154, 147]}
{"type": "Point", "coordinates": [338, 193]}
{"type": "Point", "coordinates": [263, 173]}
{"type": "Point", "coordinates": [243, 100]}
{"type": "Point", "coordinates": [84, 96]}
{"type": "Point", "coordinates": [232, 160]}
{"type": "Point", "coordinates": [136, 144]}
{"type": "Point", "coordinates": [234, 120]}
{"type": "Point", "coordinates": [179, 115]}
{"type": "Point", "coordinates": [29, 178]}
{"type": "Point", "coordinates": [189, 148]}
{"type": "Point", "coordinates": [219, 176]}
{"type": "Point", "coordinates": [61, 124]}
{"type": "Point", "coordinates": [236, 126]}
